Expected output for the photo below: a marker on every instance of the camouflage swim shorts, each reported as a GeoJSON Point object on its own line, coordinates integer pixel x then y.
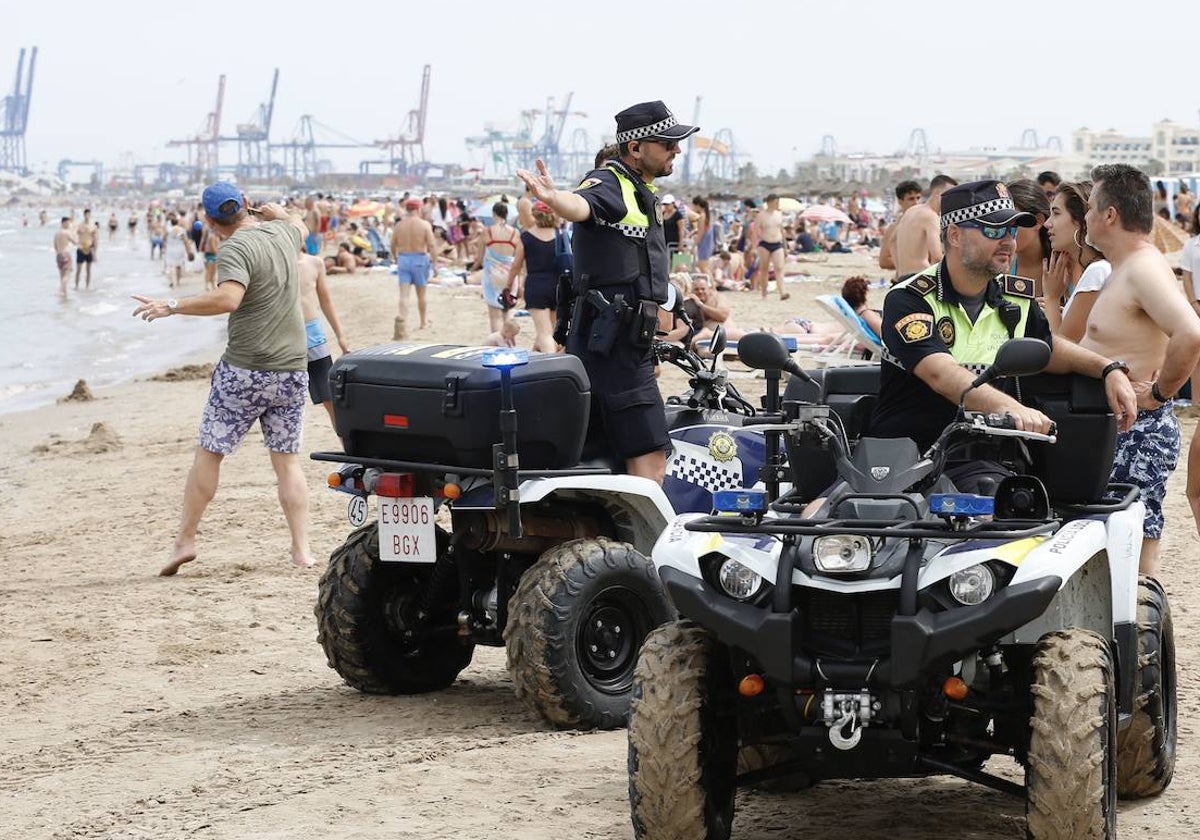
{"type": "Point", "coordinates": [1146, 456]}
{"type": "Point", "coordinates": [238, 397]}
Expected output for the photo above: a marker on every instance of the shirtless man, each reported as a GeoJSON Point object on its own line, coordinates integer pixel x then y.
{"type": "Point", "coordinates": [707, 308]}
{"type": "Point", "coordinates": [210, 241]}
{"type": "Point", "coordinates": [1141, 318]}
{"type": "Point", "coordinates": [87, 234]}
{"type": "Point", "coordinates": [113, 225]}
{"type": "Point", "coordinates": [908, 194]}
{"type": "Point", "coordinates": [64, 238]}
{"type": "Point", "coordinates": [414, 250]}
{"type": "Point", "coordinates": [917, 242]}
{"type": "Point", "coordinates": [770, 250]}
{"type": "Point", "coordinates": [315, 300]}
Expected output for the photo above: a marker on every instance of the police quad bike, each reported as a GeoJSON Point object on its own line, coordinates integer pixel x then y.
{"type": "Point", "coordinates": [908, 629]}
{"type": "Point", "coordinates": [497, 533]}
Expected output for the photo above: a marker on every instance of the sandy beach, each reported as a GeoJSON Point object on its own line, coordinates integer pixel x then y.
{"type": "Point", "coordinates": [201, 705]}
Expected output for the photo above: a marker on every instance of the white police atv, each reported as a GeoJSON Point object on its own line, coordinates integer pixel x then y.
{"type": "Point", "coordinates": [908, 629]}
{"type": "Point", "coordinates": [490, 533]}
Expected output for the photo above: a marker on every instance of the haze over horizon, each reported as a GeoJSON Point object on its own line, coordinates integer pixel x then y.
{"type": "Point", "coordinates": [779, 78]}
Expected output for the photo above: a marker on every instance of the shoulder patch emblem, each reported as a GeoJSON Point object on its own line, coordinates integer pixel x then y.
{"type": "Point", "coordinates": [588, 182]}
{"type": "Point", "coordinates": [915, 326]}
{"type": "Point", "coordinates": [945, 328]}
{"type": "Point", "coordinates": [1018, 286]}
{"type": "Point", "coordinates": [923, 284]}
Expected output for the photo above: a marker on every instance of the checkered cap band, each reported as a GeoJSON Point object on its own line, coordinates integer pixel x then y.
{"type": "Point", "coordinates": [632, 231]}
{"type": "Point", "coordinates": [647, 131]}
{"type": "Point", "coordinates": [975, 211]}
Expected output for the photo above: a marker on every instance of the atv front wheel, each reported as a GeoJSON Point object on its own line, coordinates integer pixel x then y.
{"type": "Point", "coordinates": [1070, 777]}
{"type": "Point", "coordinates": [1146, 748]}
{"type": "Point", "coordinates": [367, 621]}
{"type": "Point", "coordinates": [575, 625]}
{"type": "Point", "coordinates": [683, 742]}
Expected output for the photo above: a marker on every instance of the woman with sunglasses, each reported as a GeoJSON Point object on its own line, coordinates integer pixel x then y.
{"type": "Point", "coordinates": [1033, 245]}
{"type": "Point", "coordinates": [1076, 271]}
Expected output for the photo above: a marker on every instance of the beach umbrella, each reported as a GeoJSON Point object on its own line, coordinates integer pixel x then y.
{"type": "Point", "coordinates": [1167, 237]}
{"type": "Point", "coordinates": [824, 213]}
{"type": "Point", "coordinates": [790, 205]}
{"type": "Point", "coordinates": [364, 208]}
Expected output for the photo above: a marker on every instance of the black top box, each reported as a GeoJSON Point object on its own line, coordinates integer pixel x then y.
{"type": "Point", "coordinates": [437, 403]}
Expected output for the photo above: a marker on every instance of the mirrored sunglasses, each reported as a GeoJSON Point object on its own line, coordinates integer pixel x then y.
{"type": "Point", "coordinates": [992, 232]}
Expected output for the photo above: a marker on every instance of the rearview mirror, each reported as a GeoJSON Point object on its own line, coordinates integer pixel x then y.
{"type": "Point", "coordinates": [763, 351]}
{"type": "Point", "coordinates": [1021, 357]}
{"type": "Point", "coordinates": [716, 343]}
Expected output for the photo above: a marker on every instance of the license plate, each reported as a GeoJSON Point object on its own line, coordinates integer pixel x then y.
{"type": "Point", "coordinates": [406, 530]}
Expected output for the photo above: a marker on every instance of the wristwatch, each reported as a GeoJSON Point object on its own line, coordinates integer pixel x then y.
{"type": "Point", "coordinates": [1158, 395]}
{"type": "Point", "coordinates": [1111, 366]}
{"type": "Point", "coordinates": [172, 305]}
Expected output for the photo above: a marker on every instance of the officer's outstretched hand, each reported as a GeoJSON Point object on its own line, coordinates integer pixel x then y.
{"type": "Point", "coordinates": [540, 183]}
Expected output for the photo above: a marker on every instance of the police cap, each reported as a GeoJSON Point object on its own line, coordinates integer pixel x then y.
{"type": "Point", "coordinates": [651, 119]}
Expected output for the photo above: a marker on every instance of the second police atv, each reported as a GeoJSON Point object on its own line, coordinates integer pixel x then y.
{"type": "Point", "coordinates": [492, 530]}
{"type": "Point", "coordinates": [906, 629]}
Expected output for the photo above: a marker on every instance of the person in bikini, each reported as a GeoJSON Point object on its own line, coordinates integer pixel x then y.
{"type": "Point", "coordinates": [414, 250]}
{"type": "Point", "coordinates": [500, 248]}
{"type": "Point", "coordinates": [770, 250]}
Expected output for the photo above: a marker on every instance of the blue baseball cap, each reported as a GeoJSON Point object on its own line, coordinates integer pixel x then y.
{"type": "Point", "coordinates": [216, 200]}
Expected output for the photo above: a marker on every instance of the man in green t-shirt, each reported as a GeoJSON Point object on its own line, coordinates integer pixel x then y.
{"type": "Point", "coordinates": [263, 374]}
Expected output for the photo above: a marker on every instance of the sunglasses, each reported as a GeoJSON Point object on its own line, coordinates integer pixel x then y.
{"type": "Point", "coordinates": [992, 232]}
{"type": "Point", "coordinates": [669, 145]}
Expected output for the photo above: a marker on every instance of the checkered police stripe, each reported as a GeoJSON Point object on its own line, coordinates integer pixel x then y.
{"type": "Point", "coordinates": [704, 472]}
{"type": "Point", "coordinates": [647, 131]}
{"type": "Point", "coordinates": [975, 211]}
{"type": "Point", "coordinates": [632, 231]}
{"type": "Point", "coordinates": [974, 367]}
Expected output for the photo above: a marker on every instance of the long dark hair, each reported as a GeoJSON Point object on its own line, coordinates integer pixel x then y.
{"type": "Point", "coordinates": [1075, 195]}
{"type": "Point", "coordinates": [1030, 198]}
{"type": "Point", "coordinates": [703, 205]}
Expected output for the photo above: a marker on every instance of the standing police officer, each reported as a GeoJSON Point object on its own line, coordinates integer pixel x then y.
{"type": "Point", "coordinates": [621, 270]}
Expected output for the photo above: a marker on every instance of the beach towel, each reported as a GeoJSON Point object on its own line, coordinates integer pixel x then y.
{"type": "Point", "coordinates": [495, 276]}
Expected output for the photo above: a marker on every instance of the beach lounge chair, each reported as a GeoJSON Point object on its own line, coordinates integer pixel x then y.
{"type": "Point", "coordinates": [857, 344]}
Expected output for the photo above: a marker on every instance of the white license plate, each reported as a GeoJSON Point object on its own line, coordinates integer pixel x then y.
{"type": "Point", "coordinates": [406, 530]}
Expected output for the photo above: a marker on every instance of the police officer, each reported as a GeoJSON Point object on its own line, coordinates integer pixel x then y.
{"type": "Point", "coordinates": [943, 326]}
{"type": "Point", "coordinates": [620, 278]}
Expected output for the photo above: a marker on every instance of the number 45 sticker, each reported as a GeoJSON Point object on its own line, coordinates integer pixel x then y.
{"type": "Point", "coordinates": [357, 511]}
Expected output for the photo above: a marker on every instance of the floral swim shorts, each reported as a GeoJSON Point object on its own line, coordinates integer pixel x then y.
{"type": "Point", "coordinates": [239, 397]}
{"type": "Point", "coordinates": [1146, 457]}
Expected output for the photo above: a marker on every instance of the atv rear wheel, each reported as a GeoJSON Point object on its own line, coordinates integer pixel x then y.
{"type": "Point", "coordinates": [683, 743]}
{"type": "Point", "coordinates": [1146, 748]}
{"type": "Point", "coordinates": [575, 625]}
{"type": "Point", "coordinates": [1070, 777]}
{"type": "Point", "coordinates": [365, 622]}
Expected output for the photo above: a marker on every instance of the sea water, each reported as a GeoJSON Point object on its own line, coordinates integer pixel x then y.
{"type": "Point", "coordinates": [47, 345]}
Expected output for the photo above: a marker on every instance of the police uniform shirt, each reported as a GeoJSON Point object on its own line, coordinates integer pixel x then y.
{"type": "Point", "coordinates": [602, 191]}
{"type": "Point", "coordinates": [907, 407]}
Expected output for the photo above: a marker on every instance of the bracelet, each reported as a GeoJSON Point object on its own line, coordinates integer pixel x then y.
{"type": "Point", "coordinates": [1158, 395]}
{"type": "Point", "coordinates": [1111, 366]}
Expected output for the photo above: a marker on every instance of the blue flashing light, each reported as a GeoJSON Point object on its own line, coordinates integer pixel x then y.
{"type": "Point", "coordinates": [961, 504]}
{"type": "Point", "coordinates": [505, 357]}
{"type": "Point", "coordinates": [740, 501]}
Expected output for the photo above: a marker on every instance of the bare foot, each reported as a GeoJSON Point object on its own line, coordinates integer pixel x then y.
{"type": "Point", "coordinates": [302, 559]}
{"type": "Point", "coordinates": [425, 324]}
{"type": "Point", "coordinates": [183, 553]}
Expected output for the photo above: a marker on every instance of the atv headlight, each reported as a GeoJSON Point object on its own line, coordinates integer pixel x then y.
{"type": "Point", "coordinates": [739, 581]}
{"type": "Point", "coordinates": [840, 553]}
{"type": "Point", "coordinates": [973, 585]}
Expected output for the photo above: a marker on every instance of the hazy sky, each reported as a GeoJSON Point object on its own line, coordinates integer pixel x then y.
{"type": "Point", "coordinates": [118, 78]}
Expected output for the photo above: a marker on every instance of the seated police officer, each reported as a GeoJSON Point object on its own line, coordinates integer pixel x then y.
{"type": "Point", "coordinates": [620, 278]}
{"type": "Point", "coordinates": [943, 326]}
